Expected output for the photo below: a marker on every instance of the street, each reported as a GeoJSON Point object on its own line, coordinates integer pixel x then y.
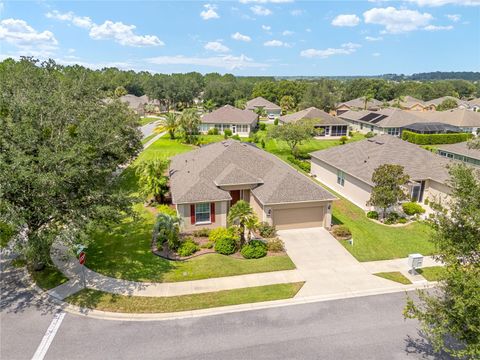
{"type": "Point", "coordinates": [358, 328]}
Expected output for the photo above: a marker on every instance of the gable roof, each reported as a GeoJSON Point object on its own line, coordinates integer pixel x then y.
{"type": "Point", "coordinates": [461, 149]}
{"type": "Point", "coordinates": [261, 102]}
{"type": "Point", "coordinates": [439, 100]}
{"type": "Point", "coordinates": [229, 115]}
{"type": "Point", "coordinates": [313, 113]}
{"type": "Point", "coordinates": [193, 175]}
{"type": "Point", "coordinates": [361, 158]}
{"type": "Point", "coordinates": [456, 117]}
{"type": "Point", "coordinates": [359, 103]}
{"type": "Point", "coordinates": [408, 102]}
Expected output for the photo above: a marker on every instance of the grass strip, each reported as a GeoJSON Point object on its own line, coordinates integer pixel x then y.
{"type": "Point", "coordinates": [394, 276]}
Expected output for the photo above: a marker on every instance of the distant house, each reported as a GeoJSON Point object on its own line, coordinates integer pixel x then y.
{"type": "Point", "coordinates": [207, 182]}
{"type": "Point", "coordinates": [411, 103]}
{"type": "Point", "coordinates": [474, 104]}
{"type": "Point", "coordinates": [141, 104]}
{"type": "Point", "coordinates": [240, 122]}
{"type": "Point", "coordinates": [461, 152]}
{"type": "Point", "coordinates": [348, 169]}
{"type": "Point", "coordinates": [435, 102]}
{"type": "Point", "coordinates": [432, 128]}
{"type": "Point", "coordinates": [332, 126]}
{"type": "Point", "coordinates": [269, 107]}
{"type": "Point", "coordinates": [358, 104]}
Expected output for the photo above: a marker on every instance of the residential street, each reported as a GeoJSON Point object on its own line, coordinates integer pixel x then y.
{"type": "Point", "coordinates": [358, 328]}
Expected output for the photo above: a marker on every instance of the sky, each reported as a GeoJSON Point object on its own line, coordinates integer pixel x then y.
{"type": "Point", "coordinates": [248, 37]}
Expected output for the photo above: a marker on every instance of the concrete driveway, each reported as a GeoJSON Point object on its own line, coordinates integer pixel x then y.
{"type": "Point", "coordinates": [327, 267]}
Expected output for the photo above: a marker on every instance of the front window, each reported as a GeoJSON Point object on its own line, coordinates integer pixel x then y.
{"type": "Point", "coordinates": [339, 130]}
{"type": "Point", "coordinates": [393, 131]}
{"type": "Point", "coordinates": [202, 213]}
{"type": "Point", "coordinates": [341, 178]}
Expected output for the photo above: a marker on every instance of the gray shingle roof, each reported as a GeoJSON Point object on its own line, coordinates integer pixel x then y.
{"type": "Point", "coordinates": [408, 102]}
{"type": "Point", "coordinates": [193, 175]}
{"type": "Point", "coordinates": [439, 100]}
{"type": "Point", "coordinates": [229, 115]}
{"type": "Point", "coordinates": [261, 102]}
{"type": "Point", "coordinates": [313, 113]}
{"type": "Point", "coordinates": [461, 149]}
{"type": "Point", "coordinates": [361, 158]}
{"type": "Point", "coordinates": [359, 103]}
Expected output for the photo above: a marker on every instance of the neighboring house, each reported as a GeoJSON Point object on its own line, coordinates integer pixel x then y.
{"type": "Point", "coordinates": [348, 169]}
{"type": "Point", "coordinates": [393, 120]}
{"type": "Point", "coordinates": [240, 122]}
{"type": "Point", "coordinates": [205, 183]}
{"type": "Point", "coordinates": [332, 126]}
{"type": "Point", "coordinates": [269, 107]}
{"type": "Point", "coordinates": [411, 103]}
{"type": "Point", "coordinates": [474, 104]}
{"type": "Point", "coordinates": [140, 104]}
{"type": "Point", "coordinates": [435, 102]}
{"type": "Point", "coordinates": [460, 151]}
{"type": "Point", "coordinates": [358, 104]}
{"type": "Point", "coordinates": [432, 128]}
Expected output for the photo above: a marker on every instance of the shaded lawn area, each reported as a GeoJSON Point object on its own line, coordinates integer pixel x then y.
{"type": "Point", "coordinates": [99, 300]}
{"type": "Point", "coordinates": [48, 278]}
{"type": "Point", "coordinates": [432, 273]}
{"type": "Point", "coordinates": [396, 276]}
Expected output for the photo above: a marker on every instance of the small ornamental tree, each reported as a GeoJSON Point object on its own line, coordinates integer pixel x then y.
{"type": "Point", "coordinates": [152, 179]}
{"type": "Point", "coordinates": [294, 134]}
{"type": "Point", "coordinates": [447, 104]}
{"type": "Point", "coordinates": [242, 214]}
{"type": "Point", "coordinates": [387, 191]}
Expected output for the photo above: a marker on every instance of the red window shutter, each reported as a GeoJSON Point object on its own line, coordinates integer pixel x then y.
{"type": "Point", "coordinates": [212, 212]}
{"type": "Point", "coordinates": [192, 213]}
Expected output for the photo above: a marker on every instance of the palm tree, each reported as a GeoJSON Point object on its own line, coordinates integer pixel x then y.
{"type": "Point", "coordinates": [242, 214]}
{"type": "Point", "coordinates": [260, 111]}
{"type": "Point", "coordinates": [168, 123]}
{"type": "Point", "coordinates": [189, 122]}
{"type": "Point", "coordinates": [367, 98]}
{"type": "Point", "coordinates": [209, 105]}
{"type": "Point", "coordinates": [398, 101]}
{"type": "Point", "coordinates": [167, 228]}
{"type": "Point", "coordinates": [152, 179]}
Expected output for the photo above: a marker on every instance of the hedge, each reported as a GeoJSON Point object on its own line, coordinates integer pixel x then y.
{"type": "Point", "coordinates": [433, 139]}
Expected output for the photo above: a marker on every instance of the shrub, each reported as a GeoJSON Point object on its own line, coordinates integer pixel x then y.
{"type": "Point", "coordinates": [302, 164]}
{"type": "Point", "coordinates": [226, 245]}
{"type": "Point", "coordinates": [412, 208]}
{"type": "Point", "coordinates": [350, 133]}
{"type": "Point", "coordinates": [255, 139]}
{"type": "Point", "coordinates": [275, 122]}
{"type": "Point", "coordinates": [202, 232]}
{"type": "Point", "coordinates": [341, 231]}
{"type": "Point", "coordinates": [262, 126]}
{"type": "Point", "coordinates": [275, 245]}
{"type": "Point", "coordinates": [263, 144]}
{"type": "Point", "coordinates": [218, 233]}
{"type": "Point", "coordinates": [166, 229]}
{"type": "Point", "coordinates": [266, 230]}
{"type": "Point", "coordinates": [303, 156]}
{"type": "Point", "coordinates": [402, 220]}
{"type": "Point", "coordinates": [227, 132]}
{"type": "Point", "coordinates": [433, 139]}
{"type": "Point", "coordinates": [213, 131]}
{"type": "Point", "coordinates": [255, 249]}
{"type": "Point", "coordinates": [208, 245]}
{"type": "Point", "coordinates": [187, 248]}
{"type": "Point", "coordinates": [343, 140]}
{"type": "Point", "coordinates": [369, 135]}
{"type": "Point", "coordinates": [165, 209]}
{"type": "Point", "coordinates": [372, 215]}
{"type": "Point", "coordinates": [392, 218]}
{"type": "Point", "coordinates": [236, 137]}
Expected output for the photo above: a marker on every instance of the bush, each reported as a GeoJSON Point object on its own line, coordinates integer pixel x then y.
{"type": "Point", "coordinates": [262, 126]}
{"type": "Point", "coordinates": [166, 229]}
{"type": "Point", "coordinates": [343, 140]}
{"type": "Point", "coordinates": [341, 231]}
{"type": "Point", "coordinates": [266, 230]}
{"type": "Point", "coordinates": [350, 133]}
{"type": "Point", "coordinates": [227, 132]}
{"type": "Point", "coordinates": [302, 164]}
{"type": "Point", "coordinates": [263, 144]}
{"type": "Point", "coordinates": [236, 137]}
{"type": "Point", "coordinates": [275, 122]}
{"type": "Point", "coordinates": [226, 245]}
{"type": "Point", "coordinates": [392, 218]}
{"type": "Point", "coordinates": [202, 232]}
{"type": "Point", "coordinates": [218, 233]}
{"type": "Point", "coordinates": [275, 245]}
{"type": "Point", "coordinates": [303, 156]}
{"type": "Point", "coordinates": [255, 249]}
{"type": "Point", "coordinates": [402, 220]}
{"type": "Point", "coordinates": [433, 139]}
{"type": "Point", "coordinates": [372, 215]}
{"type": "Point", "coordinates": [165, 209]}
{"type": "Point", "coordinates": [208, 245]}
{"type": "Point", "coordinates": [187, 248]}
{"type": "Point", "coordinates": [213, 131]}
{"type": "Point", "coordinates": [412, 208]}
{"type": "Point", "coordinates": [255, 139]}
{"type": "Point", "coordinates": [369, 135]}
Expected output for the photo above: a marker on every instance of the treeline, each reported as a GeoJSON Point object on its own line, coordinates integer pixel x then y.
{"type": "Point", "coordinates": [184, 90]}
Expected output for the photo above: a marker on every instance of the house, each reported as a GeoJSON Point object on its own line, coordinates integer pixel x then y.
{"type": "Point", "coordinates": [206, 182]}
{"type": "Point", "coordinates": [240, 122]}
{"type": "Point", "coordinates": [461, 152]}
{"type": "Point", "coordinates": [411, 103]}
{"type": "Point", "coordinates": [332, 126]}
{"type": "Point", "coordinates": [432, 128]}
{"type": "Point", "coordinates": [474, 104]}
{"type": "Point", "coordinates": [467, 121]}
{"type": "Point", "coordinates": [348, 169]}
{"type": "Point", "coordinates": [141, 104]}
{"type": "Point", "coordinates": [269, 107]}
{"type": "Point", "coordinates": [435, 102]}
{"type": "Point", "coordinates": [358, 104]}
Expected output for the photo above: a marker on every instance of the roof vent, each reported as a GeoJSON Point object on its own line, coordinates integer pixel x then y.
{"type": "Point", "coordinates": [379, 142]}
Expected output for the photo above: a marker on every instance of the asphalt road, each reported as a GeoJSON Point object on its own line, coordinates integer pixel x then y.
{"type": "Point", "coordinates": [359, 328]}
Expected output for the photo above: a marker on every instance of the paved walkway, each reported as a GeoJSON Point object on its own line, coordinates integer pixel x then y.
{"type": "Point", "coordinates": [72, 269]}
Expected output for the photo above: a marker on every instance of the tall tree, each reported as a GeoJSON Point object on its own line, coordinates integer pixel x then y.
{"type": "Point", "coordinates": [389, 181]}
{"type": "Point", "coordinates": [293, 134]}
{"type": "Point", "coordinates": [287, 103]}
{"type": "Point", "coordinates": [209, 105]}
{"type": "Point", "coordinates": [447, 104]}
{"type": "Point", "coordinates": [189, 122]}
{"type": "Point", "coordinates": [152, 178]}
{"type": "Point", "coordinates": [452, 313]}
{"type": "Point", "coordinates": [242, 214]}
{"type": "Point", "coordinates": [320, 95]}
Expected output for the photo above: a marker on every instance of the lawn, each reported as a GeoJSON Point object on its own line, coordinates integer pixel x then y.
{"type": "Point", "coordinates": [49, 277]}
{"type": "Point", "coordinates": [144, 120]}
{"type": "Point", "coordinates": [394, 276]}
{"type": "Point", "coordinates": [148, 138]}
{"type": "Point", "coordinates": [432, 273]}
{"type": "Point", "coordinates": [99, 300]}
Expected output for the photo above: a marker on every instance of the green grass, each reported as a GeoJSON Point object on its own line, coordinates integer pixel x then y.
{"type": "Point", "coordinates": [49, 277]}
{"type": "Point", "coordinates": [148, 138]}
{"type": "Point", "coordinates": [99, 300]}
{"type": "Point", "coordinates": [144, 120]}
{"type": "Point", "coordinates": [432, 273]}
{"type": "Point", "coordinates": [394, 276]}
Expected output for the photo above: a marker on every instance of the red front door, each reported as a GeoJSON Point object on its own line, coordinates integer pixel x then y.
{"type": "Point", "coordinates": [235, 194]}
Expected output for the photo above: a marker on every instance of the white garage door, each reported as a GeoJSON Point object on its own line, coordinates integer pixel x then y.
{"type": "Point", "coordinates": [297, 218]}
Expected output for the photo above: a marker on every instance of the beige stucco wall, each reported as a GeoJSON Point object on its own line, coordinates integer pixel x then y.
{"type": "Point", "coordinates": [437, 192]}
{"type": "Point", "coordinates": [221, 208]}
{"type": "Point", "coordinates": [354, 189]}
{"type": "Point", "coordinates": [258, 208]}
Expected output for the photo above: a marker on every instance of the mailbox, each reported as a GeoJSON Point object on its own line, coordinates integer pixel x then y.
{"type": "Point", "coordinates": [415, 261]}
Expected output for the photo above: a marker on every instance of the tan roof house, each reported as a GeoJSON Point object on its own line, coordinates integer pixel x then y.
{"type": "Point", "coordinates": [269, 107]}
{"type": "Point", "coordinates": [411, 103]}
{"type": "Point", "coordinates": [358, 104]}
{"type": "Point", "coordinates": [460, 151]}
{"type": "Point", "coordinates": [348, 169]}
{"type": "Point", "coordinates": [240, 122]}
{"type": "Point", "coordinates": [332, 126]}
{"type": "Point", "coordinates": [139, 103]}
{"type": "Point", "coordinates": [206, 182]}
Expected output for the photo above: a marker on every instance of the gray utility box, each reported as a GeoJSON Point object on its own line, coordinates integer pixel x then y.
{"type": "Point", "coordinates": [415, 261]}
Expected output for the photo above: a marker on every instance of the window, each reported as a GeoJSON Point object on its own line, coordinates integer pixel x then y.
{"type": "Point", "coordinates": [341, 177]}
{"type": "Point", "coordinates": [202, 213]}
{"type": "Point", "coordinates": [393, 131]}
{"type": "Point", "coordinates": [339, 130]}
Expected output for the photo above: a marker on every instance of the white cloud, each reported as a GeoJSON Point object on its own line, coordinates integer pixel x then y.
{"type": "Point", "coordinates": [241, 37]}
{"type": "Point", "coordinates": [397, 21]}
{"type": "Point", "coordinates": [228, 62]}
{"type": "Point", "coordinates": [376, 54]}
{"type": "Point", "coordinates": [274, 43]}
{"type": "Point", "coordinates": [296, 12]}
{"type": "Point", "coordinates": [308, 30]}
{"type": "Point", "coordinates": [260, 10]}
{"type": "Point", "coordinates": [123, 34]}
{"type": "Point", "coordinates": [80, 21]}
{"type": "Point", "coordinates": [344, 49]}
{"type": "Point", "coordinates": [266, 27]}
{"type": "Point", "coordinates": [454, 17]}
{"type": "Point", "coordinates": [346, 20]}
{"type": "Point", "coordinates": [209, 12]}
{"type": "Point", "coordinates": [434, 3]}
{"type": "Point", "coordinates": [287, 33]}
{"type": "Point", "coordinates": [28, 40]}
{"type": "Point", "coordinates": [373, 38]}
{"type": "Point", "coordinates": [437, 27]}
{"type": "Point", "coordinates": [216, 46]}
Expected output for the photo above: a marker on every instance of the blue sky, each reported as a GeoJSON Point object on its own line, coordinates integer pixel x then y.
{"type": "Point", "coordinates": [248, 37]}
